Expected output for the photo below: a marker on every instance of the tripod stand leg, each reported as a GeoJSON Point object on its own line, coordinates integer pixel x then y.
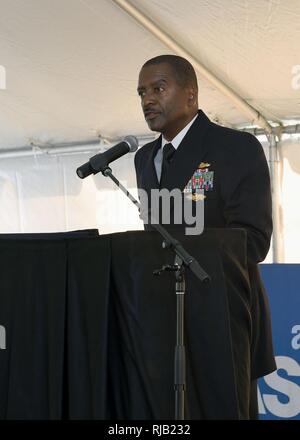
{"type": "Point", "coordinates": [179, 362]}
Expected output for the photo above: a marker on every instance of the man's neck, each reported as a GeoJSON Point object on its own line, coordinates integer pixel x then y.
{"type": "Point", "coordinates": [176, 140]}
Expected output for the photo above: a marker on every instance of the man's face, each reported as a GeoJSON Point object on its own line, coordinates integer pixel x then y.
{"type": "Point", "coordinates": [167, 106]}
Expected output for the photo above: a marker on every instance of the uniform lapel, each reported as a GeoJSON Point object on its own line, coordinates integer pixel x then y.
{"type": "Point", "coordinates": [188, 155]}
{"type": "Point", "coordinates": [149, 176]}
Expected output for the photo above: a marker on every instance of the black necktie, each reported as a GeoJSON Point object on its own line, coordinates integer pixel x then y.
{"type": "Point", "coordinates": [168, 153]}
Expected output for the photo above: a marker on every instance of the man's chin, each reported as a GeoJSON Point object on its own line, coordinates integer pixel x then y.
{"type": "Point", "coordinates": [154, 126]}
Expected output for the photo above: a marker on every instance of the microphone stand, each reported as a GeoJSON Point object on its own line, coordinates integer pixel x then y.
{"type": "Point", "coordinates": [183, 260]}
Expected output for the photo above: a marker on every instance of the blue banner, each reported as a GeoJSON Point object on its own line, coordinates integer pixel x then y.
{"type": "Point", "coordinates": [279, 392]}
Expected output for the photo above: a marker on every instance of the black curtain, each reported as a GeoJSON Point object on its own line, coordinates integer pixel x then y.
{"type": "Point", "coordinates": [91, 332]}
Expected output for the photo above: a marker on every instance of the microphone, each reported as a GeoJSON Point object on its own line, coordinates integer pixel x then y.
{"type": "Point", "coordinates": [101, 160]}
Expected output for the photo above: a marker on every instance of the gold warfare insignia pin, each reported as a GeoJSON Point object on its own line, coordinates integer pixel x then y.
{"type": "Point", "coordinates": [196, 196]}
{"type": "Point", "coordinates": [203, 165]}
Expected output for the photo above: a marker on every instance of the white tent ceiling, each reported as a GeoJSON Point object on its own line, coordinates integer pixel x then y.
{"type": "Point", "coordinates": [72, 65]}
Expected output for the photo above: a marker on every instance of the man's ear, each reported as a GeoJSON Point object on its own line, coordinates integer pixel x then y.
{"type": "Point", "coordinates": [192, 95]}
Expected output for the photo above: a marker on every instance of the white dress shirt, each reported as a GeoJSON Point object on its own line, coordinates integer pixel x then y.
{"type": "Point", "coordinates": [176, 141]}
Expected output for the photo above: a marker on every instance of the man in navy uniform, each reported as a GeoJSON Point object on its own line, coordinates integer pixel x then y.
{"type": "Point", "coordinates": [231, 170]}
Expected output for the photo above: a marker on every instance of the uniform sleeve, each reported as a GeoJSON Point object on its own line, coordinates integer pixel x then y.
{"type": "Point", "coordinates": [247, 198]}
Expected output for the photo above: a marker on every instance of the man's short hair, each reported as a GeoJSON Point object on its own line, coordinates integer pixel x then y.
{"type": "Point", "coordinates": [184, 72]}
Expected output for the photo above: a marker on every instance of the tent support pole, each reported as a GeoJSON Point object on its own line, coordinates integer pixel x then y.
{"type": "Point", "coordinates": [275, 172]}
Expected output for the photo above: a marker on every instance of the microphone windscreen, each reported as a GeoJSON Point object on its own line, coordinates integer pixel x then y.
{"type": "Point", "coordinates": [132, 142]}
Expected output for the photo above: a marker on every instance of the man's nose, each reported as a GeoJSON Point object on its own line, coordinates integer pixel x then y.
{"type": "Point", "coordinates": [148, 99]}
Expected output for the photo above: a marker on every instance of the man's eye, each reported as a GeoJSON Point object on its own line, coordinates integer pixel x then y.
{"type": "Point", "coordinates": [141, 93]}
{"type": "Point", "coordinates": [159, 89]}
